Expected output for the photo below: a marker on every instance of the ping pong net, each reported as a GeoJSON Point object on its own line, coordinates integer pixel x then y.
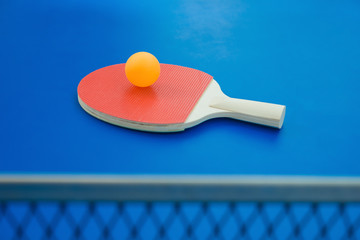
{"type": "Point", "coordinates": [178, 207]}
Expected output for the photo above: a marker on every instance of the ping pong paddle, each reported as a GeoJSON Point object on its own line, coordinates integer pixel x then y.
{"type": "Point", "coordinates": [181, 98]}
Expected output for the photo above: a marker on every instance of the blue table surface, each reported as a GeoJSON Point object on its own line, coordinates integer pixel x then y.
{"type": "Point", "coordinates": [303, 54]}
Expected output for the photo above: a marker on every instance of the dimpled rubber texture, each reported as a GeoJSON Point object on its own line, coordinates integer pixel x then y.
{"type": "Point", "coordinates": [168, 101]}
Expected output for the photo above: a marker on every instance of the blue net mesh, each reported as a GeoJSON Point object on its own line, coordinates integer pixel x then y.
{"type": "Point", "coordinates": [179, 220]}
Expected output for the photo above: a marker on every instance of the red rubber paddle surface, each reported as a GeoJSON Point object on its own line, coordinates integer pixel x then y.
{"type": "Point", "coordinates": [168, 101]}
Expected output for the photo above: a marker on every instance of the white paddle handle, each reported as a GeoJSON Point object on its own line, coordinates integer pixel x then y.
{"type": "Point", "coordinates": [251, 111]}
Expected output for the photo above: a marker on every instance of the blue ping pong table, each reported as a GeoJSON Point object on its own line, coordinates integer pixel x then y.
{"type": "Point", "coordinates": [302, 54]}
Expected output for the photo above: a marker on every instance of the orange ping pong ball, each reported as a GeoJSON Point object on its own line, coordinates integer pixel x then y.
{"type": "Point", "coordinates": [142, 69]}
